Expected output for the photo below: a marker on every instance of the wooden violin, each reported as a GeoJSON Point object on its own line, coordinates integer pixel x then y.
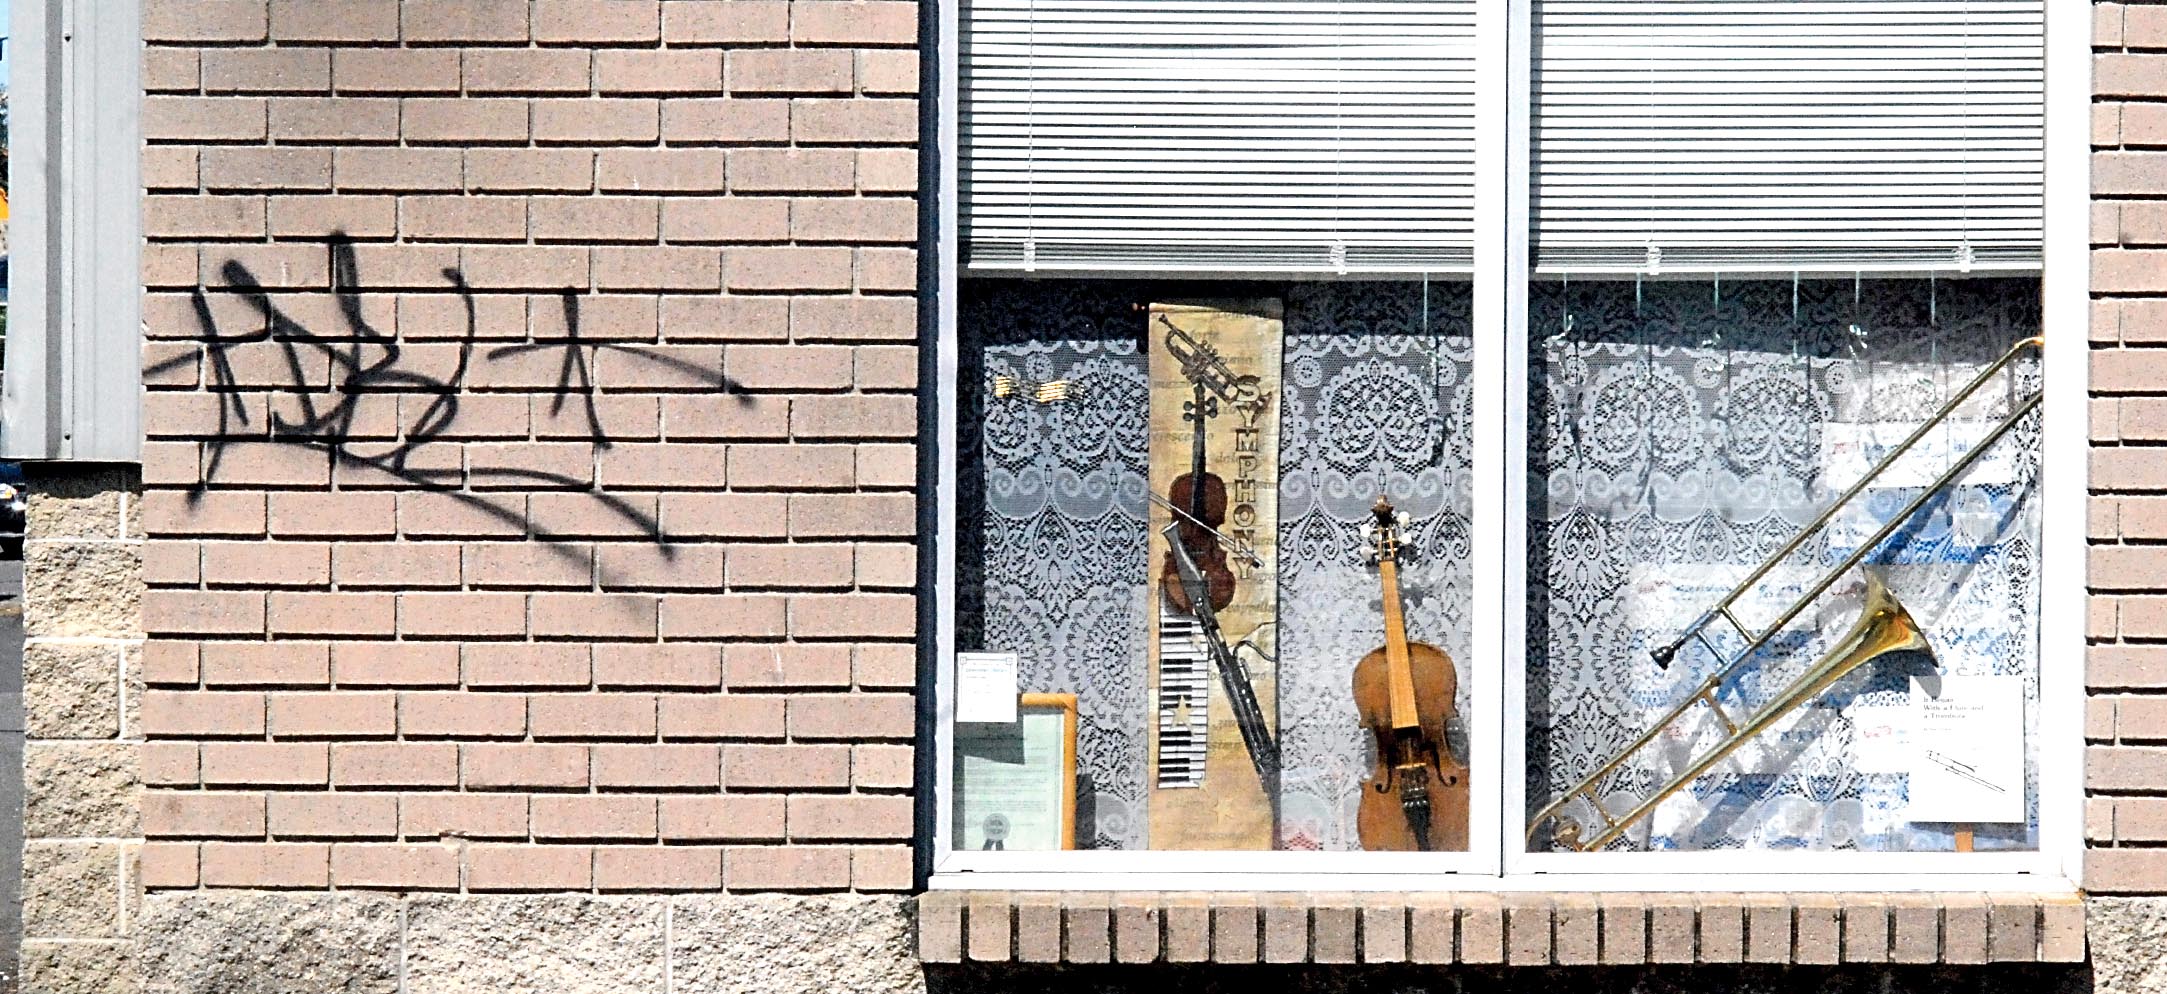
{"type": "Point", "coordinates": [1416, 799]}
{"type": "Point", "coordinates": [1199, 494]}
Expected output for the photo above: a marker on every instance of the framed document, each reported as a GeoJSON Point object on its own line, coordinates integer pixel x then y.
{"type": "Point", "coordinates": [1016, 783]}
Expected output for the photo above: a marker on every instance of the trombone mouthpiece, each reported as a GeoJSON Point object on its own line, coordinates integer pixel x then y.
{"type": "Point", "coordinates": [1663, 655]}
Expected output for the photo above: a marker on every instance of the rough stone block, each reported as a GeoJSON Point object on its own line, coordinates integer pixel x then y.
{"type": "Point", "coordinates": [85, 968]}
{"type": "Point", "coordinates": [82, 589]}
{"type": "Point", "coordinates": [66, 501]}
{"type": "Point", "coordinates": [79, 789]}
{"type": "Point", "coordinates": [1384, 930]}
{"type": "Point", "coordinates": [1089, 928]}
{"type": "Point", "coordinates": [71, 690]}
{"type": "Point", "coordinates": [1038, 928]}
{"type": "Point", "coordinates": [256, 943]}
{"type": "Point", "coordinates": [71, 890]}
{"type": "Point", "coordinates": [568, 944]}
{"type": "Point", "coordinates": [783, 942]}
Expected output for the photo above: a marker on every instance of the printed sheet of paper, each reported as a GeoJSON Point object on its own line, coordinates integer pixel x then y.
{"type": "Point", "coordinates": [1967, 749]}
{"type": "Point", "coordinates": [1011, 783]}
{"type": "Point", "coordinates": [986, 687]}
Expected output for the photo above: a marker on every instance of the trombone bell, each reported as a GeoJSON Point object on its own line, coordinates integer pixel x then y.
{"type": "Point", "coordinates": [1883, 627]}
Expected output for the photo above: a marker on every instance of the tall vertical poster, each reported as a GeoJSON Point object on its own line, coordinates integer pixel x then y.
{"type": "Point", "coordinates": [1214, 461]}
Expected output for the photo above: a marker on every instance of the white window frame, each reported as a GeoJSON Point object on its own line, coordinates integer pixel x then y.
{"type": "Point", "coordinates": [1499, 862]}
{"type": "Point", "coordinates": [73, 382]}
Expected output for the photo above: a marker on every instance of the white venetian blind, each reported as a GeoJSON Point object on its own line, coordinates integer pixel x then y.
{"type": "Point", "coordinates": [1217, 135]}
{"type": "Point", "coordinates": [1789, 135]}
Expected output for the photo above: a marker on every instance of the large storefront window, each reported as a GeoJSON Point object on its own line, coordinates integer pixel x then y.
{"type": "Point", "coordinates": [1411, 436]}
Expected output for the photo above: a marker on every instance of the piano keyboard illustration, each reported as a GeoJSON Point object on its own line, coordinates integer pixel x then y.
{"type": "Point", "coordinates": [1184, 690]}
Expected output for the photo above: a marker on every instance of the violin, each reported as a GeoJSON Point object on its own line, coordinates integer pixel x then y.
{"type": "Point", "coordinates": [1199, 494]}
{"type": "Point", "coordinates": [1416, 798]}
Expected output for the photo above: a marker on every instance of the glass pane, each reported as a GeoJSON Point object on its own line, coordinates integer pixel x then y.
{"type": "Point", "coordinates": [1685, 432]}
{"type": "Point", "coordinates": [1216, 698]}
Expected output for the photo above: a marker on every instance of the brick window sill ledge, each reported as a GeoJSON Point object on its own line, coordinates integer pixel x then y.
{"type": "Point", "coordinates": [1518, 929]}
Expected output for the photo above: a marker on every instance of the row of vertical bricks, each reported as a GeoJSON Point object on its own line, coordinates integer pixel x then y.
{"type": "Point", "coordinates": [2125, 725]}
{"type": "Point", "coordinates": [1524, 929]}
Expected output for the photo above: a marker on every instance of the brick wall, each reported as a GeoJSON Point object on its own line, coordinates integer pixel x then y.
{"type": "Point", "coordinates": [2126, 666]}
{"type": "Point", "coordinates": [529, 484]}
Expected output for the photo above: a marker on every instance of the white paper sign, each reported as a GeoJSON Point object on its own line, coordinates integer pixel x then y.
{"type": "Point", "coordinates": [1967, 749]}
{"type": "Point", "coordinates": [986, 687]}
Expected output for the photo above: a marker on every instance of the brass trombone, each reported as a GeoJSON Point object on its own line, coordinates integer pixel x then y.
{"type": "Point", "coordinates": [1883, 627]}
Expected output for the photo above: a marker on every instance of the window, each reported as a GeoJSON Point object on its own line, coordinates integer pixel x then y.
{"type": "Point", "coordinates": [72, 385]}
{"type": "Point", "coordinates": [1609, 302]}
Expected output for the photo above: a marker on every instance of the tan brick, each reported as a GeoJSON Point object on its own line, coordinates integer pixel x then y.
{"type": "Point", "coordinates": [1672, 929]}
{"type": "Point", "coordinates": [400, 665]}
{"type": "Point", "coordinates": [394, 70]}
{"type": "Point", "coordinates": [522, 170]}
{"type": "Point", "coordinates": [1383, 928]}
{"type": "Point", "coordinates": [654, 267]}
{"type": "Point", "coordinates": [852, 716]}
{"type": "Point", "coordinates": [862, 22]}
{"type": "Point", "coordinates": [1914, 928]}
{"type": "Point", "coordinates": [1433, 923]}
{"type": "Point", "coordinates": [1722, 929]}
{"type": "Point", "coordinates": [395, 565]}
{"type": "Point", "coordinates": [859, 816]}
{"type": "Point", "coordinates": [198, 21]}
{"type": "Point", "coordinates": [731, 819]}
{"type": "Point", "coordinates": [660, 170]}
{"type": "Point", "coordinates": [394, 764]}
{"type": "Point", "coordinates": [539, 71]}
{"type": "Point", "coordinates": [200, 119]}
{"type": "Point", "coordinates": [767, 665]}
{"type": "Point", "coordinates": [227, 664]}
{"type": "Point", "coordinates": [853, 121]}
{"type": "Point", "coordinates": [786, 567]}
{"type": "Point", "coordinates": [599, 22]}
{"type": "Point", "coordinates": [1768, 928]}
{"type": "Point", "coordinates": [526, 665]}
{"type": "Point", "coordinates": [357, 21]}
{"type": "Point", "coordinates": [593, 817]}
{"type": "Point", "coordinates": [1624, 929]}
{"type": "Point", "coordinates": [780, 766]}
{"type": "Point", "coordinates": [777, 170]}
{"type": "Point", "coordinates": [333, 714]}
{"type": "Point", "coordinates": [167, 865]}
{"type": "Point", "coordinates": [660, 767]}
{"type": "Point", "coordinates": [2013, 929]}
{"type": "Point", "coordinates": [463, 21]}
{"type": "Point", "coordinates": [1865, 928]}
{"type": "Point", "coordinates": [202, 713]}
{"type": "Point", "coordinates": [695, 22]}
{"type": "Point", "coordinates": [592, 121]}
{"type": "Point", "coordinates": [202, 816]}
{"type": "Point", "coordinates": [1088, 924]}
{"type": "Point", "coordinates": [658, 868]}
{"type": "Point", "coordinates": [2124, 871]}
{"type": "Point", "coordinates": [1234, 930]}
{"type": "Point", "coordinates": [1038, 927]}
{"type": "Point", "coordinates": [786, 868]}
{"type": "Point", "coordinates": [669, 71]}
{"type": "Point", "coordinates": [470, 615]}
{"type": "Point", "coordinates": [733, 122]}
{"type": "Point", "coordinates": [463, 715]}
{"type": "Point", "coordinates": [334, 816]}
{"type": "Point", "coordinates": [260, 865]}
{"type": "Point", "coordinates": [687, 616]}
{"type": "Point", "coordinates": [726, 516]}
{"type": "Point", "coordinates": [523, 867]}
{"type": "Point", "coordinates": [725, 716]}
{"type": "Point", "coordinates": [864, 615]}
{"type": "Point", "coordinates": [395, 866]}
{"type": "Point", "coordinates": [470, 816]}
{"type": "Point", "coordinates": [499, 765]}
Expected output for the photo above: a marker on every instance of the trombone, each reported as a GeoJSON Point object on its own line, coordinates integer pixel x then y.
{"type": "Point", "coordinates": [1883, 627]}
